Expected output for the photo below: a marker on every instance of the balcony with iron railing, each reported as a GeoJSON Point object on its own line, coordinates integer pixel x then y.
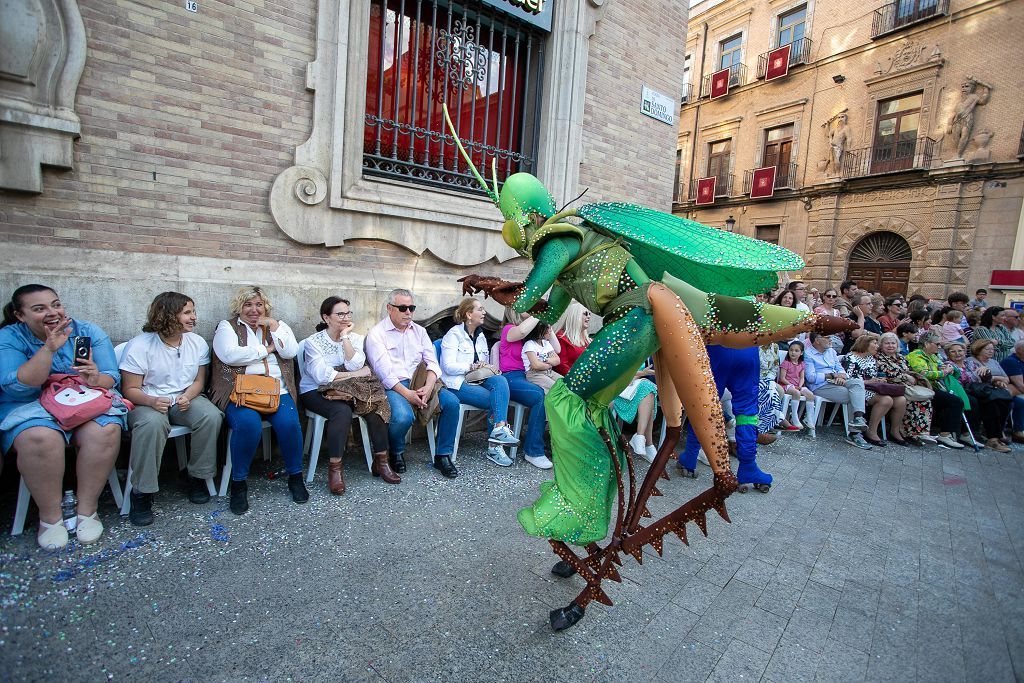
{"type": "Point", "coordinates": [737, 77]}
{"type": "Point", "coordinates": [723, 188]}
{"type": "Point", "coordinates": [799, 53]}
{"type": "Point", "coordinates": [785, 178]}
{"type": "Point", "coordinates": [895, 15]}
{"type": "Point", "coordinates": [905, 155]}
{"type": "Point", "coordinates": [687, 92]}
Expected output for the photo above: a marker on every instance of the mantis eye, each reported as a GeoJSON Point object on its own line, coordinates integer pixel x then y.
{"type": "Point", "coordinates": [514, 235]}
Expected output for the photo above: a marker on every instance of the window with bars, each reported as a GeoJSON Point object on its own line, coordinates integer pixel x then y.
{"type": "Point", "coordinates": [485, 65]}
{"type": "Point", "coordinates": [768, 233]}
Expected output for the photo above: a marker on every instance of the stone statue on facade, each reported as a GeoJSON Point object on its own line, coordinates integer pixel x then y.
{"type": "Point", "coordinates": [961, 125]}
{"type": "Point", "coordinates": [839, 134]}
{"type": "Point", "coordinates": [981, 154]}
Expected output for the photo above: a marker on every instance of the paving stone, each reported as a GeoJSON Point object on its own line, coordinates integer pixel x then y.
{"type": "Point", "coordinates": [739, 662]}
{"type": "Point", "coordinates": [819, 598]}
{"type": "Point", "coordinates": [841, 662]}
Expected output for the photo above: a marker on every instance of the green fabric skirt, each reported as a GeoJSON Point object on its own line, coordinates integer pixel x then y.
{"type": "Point", "coordinates": [576, 506]}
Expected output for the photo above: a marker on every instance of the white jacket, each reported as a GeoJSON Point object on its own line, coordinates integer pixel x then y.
{"type": "Point", "coordinates": [457, 355]}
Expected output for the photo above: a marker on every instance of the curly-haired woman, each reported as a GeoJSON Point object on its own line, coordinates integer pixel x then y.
{"type": "Point", "coordinates": [163, 371]}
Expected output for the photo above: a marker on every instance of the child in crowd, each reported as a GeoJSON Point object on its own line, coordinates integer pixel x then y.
{"type": "Point", "coordinates": [951, 330]}
{"type": "Point", "coordinates": [907, 334]}
{"type": "Point", "coordinates": [539, 358]}
{"type": "Point", "coordinates": [791, 379]}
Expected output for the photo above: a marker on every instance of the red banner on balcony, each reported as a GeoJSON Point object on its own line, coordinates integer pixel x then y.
{"type": "Point", "coordinates": [720, 84]}
{"type": "Point", "coordinates": [778, 62]}
{"type": "Point", "coordinates": [706, 190]}
{"type": "Point", "coordinates": [762, 185]}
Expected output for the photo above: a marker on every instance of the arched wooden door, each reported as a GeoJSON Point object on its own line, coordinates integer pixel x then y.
{"type": "Point", "coordinates": [881, 262]}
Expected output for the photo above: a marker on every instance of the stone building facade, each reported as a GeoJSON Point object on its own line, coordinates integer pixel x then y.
{"type": "Point", "coordinates": [893, 132]}
{"type": "Point", "coordinates": [147, 146]}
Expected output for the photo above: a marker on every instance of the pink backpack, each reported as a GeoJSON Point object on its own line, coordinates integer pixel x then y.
{"type": "Point", "coordinates": [72, 403]}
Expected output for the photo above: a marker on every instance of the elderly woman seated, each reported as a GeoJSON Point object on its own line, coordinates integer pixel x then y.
{"type": "Point", "coordinates": [987, 388]}
{"type": "Point", "coordinates": [892, 367]}
{"type": "Point", "coordinates": [251, 342]}
{"type": "Point", "coordinates": [950, 401]}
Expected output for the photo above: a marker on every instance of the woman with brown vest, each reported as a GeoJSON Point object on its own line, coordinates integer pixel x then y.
{"type": "Point", "coordinates": [253, 343]}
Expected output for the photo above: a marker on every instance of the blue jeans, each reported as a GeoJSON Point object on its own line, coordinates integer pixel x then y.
{"type": "Point", "coordinates": [491, 394]}
{"type": "Point", "coordinates": [402, 417]}
{"type": "Point", "coordinates": [246, 425]}
{"type": "Point", "coordinates": [531, 396]}
{"type": "Point", "coordinates": [1018, 413]}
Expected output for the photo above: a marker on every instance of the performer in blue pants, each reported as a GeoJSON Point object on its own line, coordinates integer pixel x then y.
{"type": "Point", "coordinates": [739, 371]}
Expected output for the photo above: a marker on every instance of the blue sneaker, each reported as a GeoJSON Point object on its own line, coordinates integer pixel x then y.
{"type": "Point", "coordinates": [497, 455]}
{"type": "Point", "coordinates": [503, 435]}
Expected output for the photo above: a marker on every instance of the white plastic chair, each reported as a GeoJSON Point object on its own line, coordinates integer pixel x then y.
{"type": "Point", "coordinates": [315, 423]}
{"type": "Point", "coordinates": [226, 476]}
{"type": "Point", "coordinates": [518, 409]}
{"type": "Point", "coordinates": [21, 507]}
{"type": "Point", "coordinates": [819, 414]}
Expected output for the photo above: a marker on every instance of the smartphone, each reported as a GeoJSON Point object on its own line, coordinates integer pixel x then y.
{"type": "Point", "coordinates": [83, 347]}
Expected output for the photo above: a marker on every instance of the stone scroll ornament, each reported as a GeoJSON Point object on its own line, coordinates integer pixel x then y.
{"type": "Point", "coordinates": [646, 273]}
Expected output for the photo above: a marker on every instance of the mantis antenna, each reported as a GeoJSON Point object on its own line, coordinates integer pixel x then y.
{"type": "Point", "coordinates": [493, 194]}
{"type": "Point", "coordinates": [494, 174]}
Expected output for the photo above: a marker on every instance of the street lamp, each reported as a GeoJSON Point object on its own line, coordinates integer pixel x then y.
{"type": "Point", "coordinates": [730, 224]}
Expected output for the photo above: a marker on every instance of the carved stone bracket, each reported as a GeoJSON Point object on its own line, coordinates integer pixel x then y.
{"type": "Point", "coordinates": [42, 56]}
{"type": "Point", "coordinates": [325, 199]}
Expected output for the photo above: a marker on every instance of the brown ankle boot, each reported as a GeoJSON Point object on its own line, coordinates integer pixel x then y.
{"type": "Point", "coordinates": [382, 468]}
{"type": "Point", "coordinates": [335, 478]}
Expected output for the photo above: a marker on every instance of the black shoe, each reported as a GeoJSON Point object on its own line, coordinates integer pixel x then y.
{"type": "Point", "coordinates": [141, 512]}
{"type": "Point", "coordinates": [239, 502]}
{"type": "Point", "coordinates": [563, 569]}
{"type": "Point", "coordinates": [298, 488]}
{"type": "Point", "coordinates": [197, 491]}
{"type": "Point", "coordinates": [444, 464]}
{"type": "Point", "coordinates": [564, 617]}
{"type": "Point", "coordinates": [397, 462]}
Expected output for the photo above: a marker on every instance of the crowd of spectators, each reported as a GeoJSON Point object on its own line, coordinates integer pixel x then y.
{"type": "Point", "coordinates": [912, 373]}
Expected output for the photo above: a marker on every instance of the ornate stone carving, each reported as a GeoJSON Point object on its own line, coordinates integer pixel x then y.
{"type": "Point", "coordinates": [42, 55]}
{"type": "Point", "coordinates": [981, 154]}
{"type": "Point", "coordinates": [839, 135]}
{"type": "Point", "coordinates": [961, 124]}
{"type": "Point", "coordinates": [907, 55]}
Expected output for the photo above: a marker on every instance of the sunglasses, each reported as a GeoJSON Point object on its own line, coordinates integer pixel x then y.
{"type": "Point", "coordinates": [831, 296]}
{"type": "Point", "coordinates": [404, 307]}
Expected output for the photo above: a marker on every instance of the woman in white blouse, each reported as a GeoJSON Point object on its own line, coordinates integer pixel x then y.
{"type": "Point", "coordinates": [464, 350]}
{"type": "Point", "coordinates": [336, 346]}
{"type": "Point", "coordinates": [253, 343]}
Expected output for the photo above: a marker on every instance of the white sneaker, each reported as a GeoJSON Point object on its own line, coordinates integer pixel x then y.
{"type": "Point", "coordinates": [948, 442]}
{"type": "Point", "coordinates": [503, 435]}
{"type": "Point", "coordinates": [652, 452]}
{"type": "Point", "coordinates": [857, 439]}
{"type": "Point", "coordinates": [927, 438]}
{"type": "Point", "coordinates": [539, 461]}
{"type": "Point", "coordinates": [497, 455]}
{"type": "Point", "coordinates": [638, 445]}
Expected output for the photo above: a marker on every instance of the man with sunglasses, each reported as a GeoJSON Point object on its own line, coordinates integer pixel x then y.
{"type": "Point", "coordinates": [395, 348]}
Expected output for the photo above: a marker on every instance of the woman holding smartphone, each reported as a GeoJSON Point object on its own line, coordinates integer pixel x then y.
{"type": "Point", "coordinates": [38, 339]}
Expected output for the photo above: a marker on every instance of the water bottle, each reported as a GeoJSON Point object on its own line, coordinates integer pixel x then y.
{"type": "Point", "coordinates": [69, 511]}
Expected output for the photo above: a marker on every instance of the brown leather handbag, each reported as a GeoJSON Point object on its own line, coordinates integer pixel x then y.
{"type": "Point", "coordinates": [261, 393]}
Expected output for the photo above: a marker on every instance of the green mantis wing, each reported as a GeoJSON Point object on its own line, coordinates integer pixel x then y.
{"type": "Point", "coordinates": [709, 259]}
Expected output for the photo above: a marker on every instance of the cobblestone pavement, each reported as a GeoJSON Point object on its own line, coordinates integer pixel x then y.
{"type": "Point", "coordinates": [893, 564]}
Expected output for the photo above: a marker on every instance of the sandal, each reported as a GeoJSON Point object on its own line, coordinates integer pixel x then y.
{"type": "Point", "coordinates": [89, 529]}
{"type": "Point", "coordinates": [875, 442]}
{"type": "Point", "coordinates": [52, 536]}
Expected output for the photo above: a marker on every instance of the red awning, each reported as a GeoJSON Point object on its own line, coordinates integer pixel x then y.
{"type": "Point", "coordinates": [1008, 279]}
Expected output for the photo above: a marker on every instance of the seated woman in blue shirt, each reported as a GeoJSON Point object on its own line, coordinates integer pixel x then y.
{"type": "Point", "coordinates": [37, 340]}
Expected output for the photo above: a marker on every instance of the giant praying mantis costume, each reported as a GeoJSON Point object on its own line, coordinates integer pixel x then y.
{"type": "Point", "coordinates": [628, 264]}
